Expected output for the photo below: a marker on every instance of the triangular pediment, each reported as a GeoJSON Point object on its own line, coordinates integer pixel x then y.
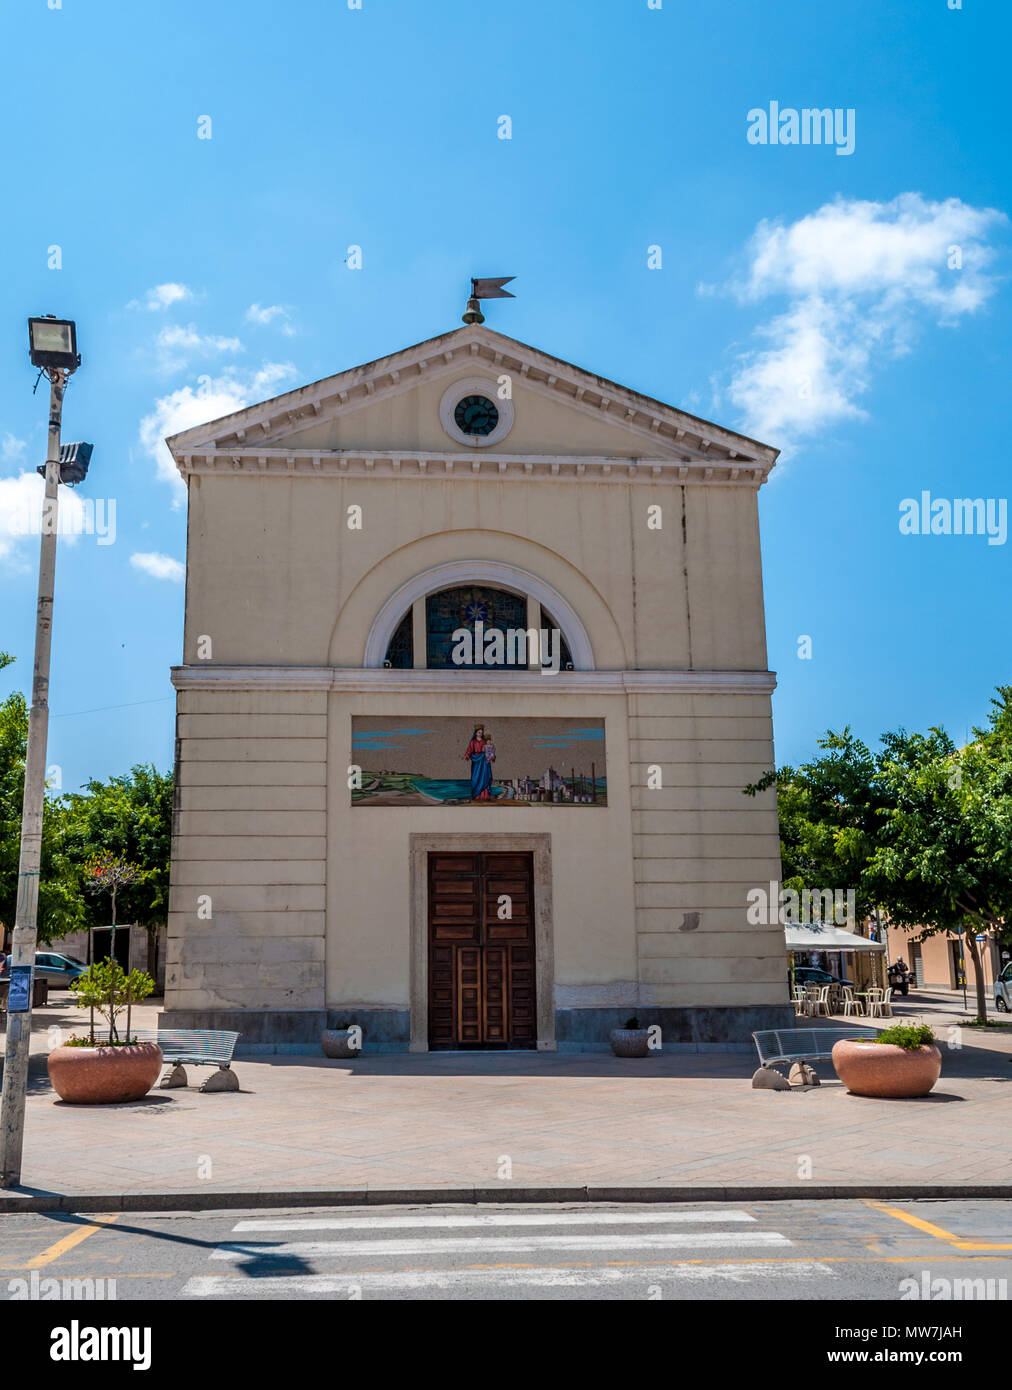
{"type": "Point", "coordinates": [390, 407]}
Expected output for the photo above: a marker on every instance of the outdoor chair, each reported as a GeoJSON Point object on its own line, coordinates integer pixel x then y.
{"type": "Point", "coordinates": [880, 1006]}
{"type": "Point", "coordinates": [820, 1003]}
{"type": "Point", "coordinates": [800, 1001]}
{"type": "Point", "coordinates": [852, 1008]}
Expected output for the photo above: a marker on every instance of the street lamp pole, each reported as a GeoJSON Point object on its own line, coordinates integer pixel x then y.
{"type": "Point", "coordinates": [19, 1023]}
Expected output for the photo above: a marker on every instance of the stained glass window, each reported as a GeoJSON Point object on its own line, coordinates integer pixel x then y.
{"type": "Point", "coordinates": [498, 611]}
{"type": "Point", "coordinates": [565, 657]}
{"type": "Point", "coordinates": [401, 651]}
{"type": "Point", "coordinates": [464, 607]}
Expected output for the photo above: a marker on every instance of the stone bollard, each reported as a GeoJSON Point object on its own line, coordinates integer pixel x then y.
{"type": "Point", "coordinates": [224, 1079]}
{"type": "Point", "coordinates": [767, 1079]}
{"type": "Point", "coordinates": [801, 1074]}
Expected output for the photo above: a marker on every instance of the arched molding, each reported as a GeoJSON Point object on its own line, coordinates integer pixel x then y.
{"type": "Point", "coordinates": [493, 572]}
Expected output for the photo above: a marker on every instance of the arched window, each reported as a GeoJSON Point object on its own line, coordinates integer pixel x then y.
{"type": "Point", "coordinates": [549, 623]}
{"type": "Point", "coordinates": [401, 651]}
{"type": "Point", "coordinates": [415, 627]}
{"type": "Point", "coordinates": [480, 626]}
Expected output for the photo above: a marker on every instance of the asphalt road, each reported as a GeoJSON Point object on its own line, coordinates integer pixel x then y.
{"type": "Point", "coordinates": [852, 1250]}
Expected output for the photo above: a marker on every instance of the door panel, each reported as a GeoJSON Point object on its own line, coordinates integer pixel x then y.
{"type": "Point", "coordinates": [442, 983]}
{"type": "Point", "coordinates": [469, 994]}
{"type": "Point", "coordinates": [481, 951]}
{"type": "Point", "coordinates": [495, 987]}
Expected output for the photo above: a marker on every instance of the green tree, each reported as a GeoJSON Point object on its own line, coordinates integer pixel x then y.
{"type": "Point", "coordinates": [921, 829]}
{"type": "Point", "coordinates": [944, 861]}
{"type": "Point", "coordinates": [127, 818]}
{"type": "Point", "coordinates": [110, 873]}
{"type": "Point", "coordinates": [60, 906]}
{"type": "Point", "coordinates": [13, 745]}
{"type": "Point", "coordinates": [830, 817]}
{"type": "Point", "coordinates": [107, 989]}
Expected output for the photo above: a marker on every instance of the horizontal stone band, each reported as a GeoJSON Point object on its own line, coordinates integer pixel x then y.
{"type": "Point", "coordinates": [380, 680]}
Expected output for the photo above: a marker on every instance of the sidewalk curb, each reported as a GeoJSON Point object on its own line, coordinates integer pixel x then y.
{"type": "Point", "coordinates": [399, 1196]}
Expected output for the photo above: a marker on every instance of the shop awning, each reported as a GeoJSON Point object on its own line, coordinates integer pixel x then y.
{"type": "Point", "coordinates": [823, 936]}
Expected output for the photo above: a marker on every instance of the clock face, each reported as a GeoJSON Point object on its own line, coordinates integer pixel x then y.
{"type": "Point", "coordinates": [476, 415]}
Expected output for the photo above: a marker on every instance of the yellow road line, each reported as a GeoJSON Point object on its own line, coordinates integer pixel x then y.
{"type": "Point", "coordinates": [68, 1242]}
{"type": "Point", "coordinates": [930, 1229]}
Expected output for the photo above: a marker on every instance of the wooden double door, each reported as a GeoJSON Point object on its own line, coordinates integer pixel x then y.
{"type": "Point", "coordinates": [481, 951]}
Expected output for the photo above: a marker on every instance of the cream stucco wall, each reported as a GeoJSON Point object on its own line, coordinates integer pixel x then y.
{"type": "Point", "coordinates": [686, 596]}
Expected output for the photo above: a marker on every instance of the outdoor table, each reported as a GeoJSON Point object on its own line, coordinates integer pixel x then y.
{"type": "Point", "coordinates": [873, 996]}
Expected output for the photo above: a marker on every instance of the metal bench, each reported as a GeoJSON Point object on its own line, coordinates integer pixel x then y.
{"type": "Point", "coordinates": [777, 1046]}
{"type": "Point", "coordinates": [197, 1047]}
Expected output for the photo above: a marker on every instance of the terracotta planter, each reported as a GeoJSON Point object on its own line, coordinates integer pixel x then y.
{"type": "Point", "coordinates": [883, 1069]}
{"type": "Point", "coordinates": [336, 1042]}
{"type": "Point", "coordinates": [104, 1075]}
{"type": "Point", "coordinates": [630, 1042]}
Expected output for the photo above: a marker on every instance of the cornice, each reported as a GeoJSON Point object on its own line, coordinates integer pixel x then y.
{"type": "Point", "coordinates": [498, 467]}
{"type": "Point", "coordinates": [373, 681]}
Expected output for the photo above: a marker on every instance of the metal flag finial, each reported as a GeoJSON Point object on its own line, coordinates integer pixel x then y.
{"type": "Point", "coordinates": [489, 288]}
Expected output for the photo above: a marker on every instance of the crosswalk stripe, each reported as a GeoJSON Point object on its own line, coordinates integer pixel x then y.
{"type": "Point", "coordinates": [458, 1245]}
{"type": "Point", "coordinates": [273, 1286]}
{"type": "Point", "coordinates": [486, 1219]}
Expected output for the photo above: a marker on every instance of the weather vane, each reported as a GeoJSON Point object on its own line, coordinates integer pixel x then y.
{"type": "Point", "coordinates": [490, 288]}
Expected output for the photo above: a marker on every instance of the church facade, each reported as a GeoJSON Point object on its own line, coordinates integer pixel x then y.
{"type": "Point", "coordinates": [474, 673]}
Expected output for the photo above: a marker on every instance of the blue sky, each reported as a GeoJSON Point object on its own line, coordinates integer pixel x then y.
{"type": "Point", "coordinates": [802, 293]}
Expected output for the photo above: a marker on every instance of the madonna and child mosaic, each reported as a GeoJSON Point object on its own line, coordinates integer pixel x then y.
{"type": "Point", "coordinates": [478, 762]}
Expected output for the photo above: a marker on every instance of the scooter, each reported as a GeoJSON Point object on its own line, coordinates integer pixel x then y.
{"type": "Point", "coordinates": [900, 976]}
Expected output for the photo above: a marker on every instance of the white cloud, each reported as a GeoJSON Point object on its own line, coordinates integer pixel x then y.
{"type": "Point", "coordinates": [176, 345]}
{"type": "Point", "coordinates": [217, 396]}
{"type": "Point", "coordinates": [162, 296]}
{"type": "Point", "coordinates": [159, 566]}
{"type": "Point", "coordinates": [266, 314]}
{"type": "Point", "coordinates": [858, 278]}
{"type": "Point", "coordinates": [12, 449]}
{"type": "Point", "coordinates": [21, 518]}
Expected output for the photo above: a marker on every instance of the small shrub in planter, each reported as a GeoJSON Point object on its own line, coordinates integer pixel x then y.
{"type": "Point", "coordinates": [343, 1041]}
{"type": "Point", "coordinates": [105, 1070]}
{"type": "Point", "coordinates": [630, 1040]}
{"type": "Point", "coordinates": [900, 1064]}
{"type": "Point", "coordinates": [906, 1035]}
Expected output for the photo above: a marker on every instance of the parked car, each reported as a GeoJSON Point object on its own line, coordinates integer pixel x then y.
{"type": "Point", "coordinates": [59, 970]}
{"type": "Point", "coordinates": [814, 975]}
{"type": "Point", "coordinates": [1003, 990]}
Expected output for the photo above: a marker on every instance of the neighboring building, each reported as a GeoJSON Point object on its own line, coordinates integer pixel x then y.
{"type": "Point", "coordinates": [942, 962]}
{"type": "Point", "coordinates": [460, 855]}
{"type": "Point", "coordinates": [137, 948]}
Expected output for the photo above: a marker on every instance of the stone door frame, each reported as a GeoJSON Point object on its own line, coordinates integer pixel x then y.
{"type": "Point", "coordinates": [540, 845]}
